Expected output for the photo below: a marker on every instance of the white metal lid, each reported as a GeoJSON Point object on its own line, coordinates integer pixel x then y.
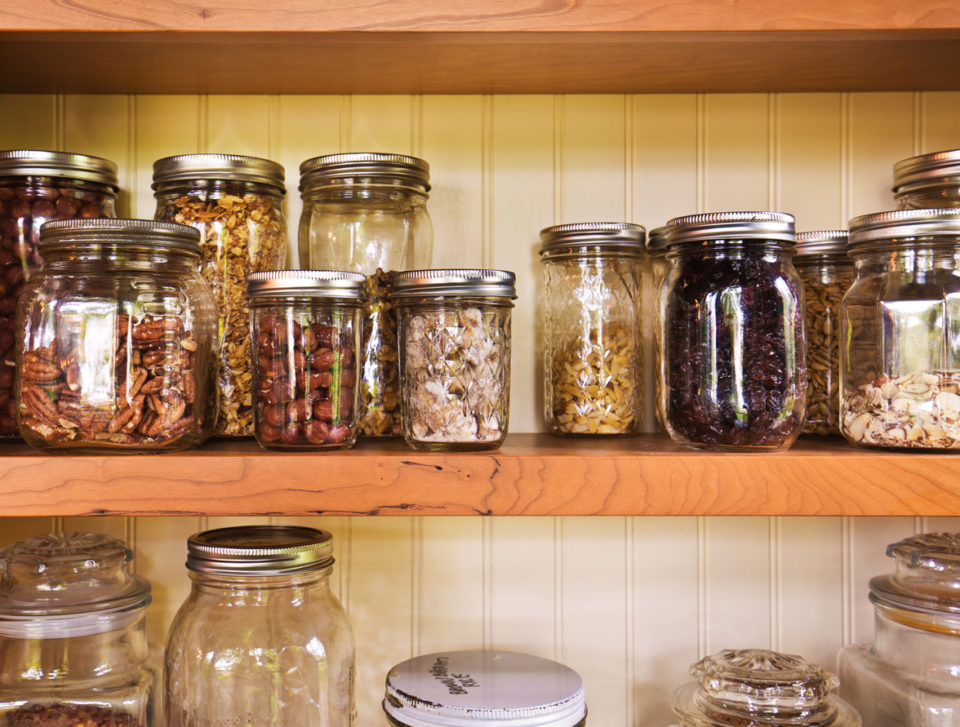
{"type": "Point", "coordinates": [484, 688]}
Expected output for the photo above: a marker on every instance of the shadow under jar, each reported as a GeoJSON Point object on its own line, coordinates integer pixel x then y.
{"type": "Point", "coordinates": [733, 372]}
{"type": "Point", "coordinates": [116, 340]}
{"type": "Point", "coordinates": [928, 181]}
{"type": "Point", "coordinates": [306, 330]}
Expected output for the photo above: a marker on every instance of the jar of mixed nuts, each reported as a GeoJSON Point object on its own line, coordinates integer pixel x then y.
{"type": "Point", "coordinates": [235, 202]}
{"type": "Point", "coordinates": [928, 180]}
{"type": "Point", "coordinates": [592, 342]}
{"type": "Point", "coordinates": [659, 266]}
{"type": "Point", "coordinates": [733, 373]}
{"type": "Point", "coordinates": [36, 186]}
{"type": "Point", "coordinates": [827, 273]}
{"type": "Point", "coordinates": [900, 331]}
{"type": "Point", "coordinates": [306, 330]}
{"type": "Point", "coordinates": [454, 357]}
{"type": "Point", "coordinates": [115, 339]}
{"type": "Point", "coordinates": [367, 212]}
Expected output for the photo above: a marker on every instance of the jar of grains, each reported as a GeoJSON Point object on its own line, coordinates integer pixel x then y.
{"type": "Point", "coordinates": [928, 181]}
{"type": "Point", "coordinates": [659, 266]}
{"type": "Point", "coordinates": [592, 342]}
{"type": "Point", "coordinates": [900, 331]}
{"type": "Point", "coordinates": [306, 329]}
{"type": "Point", "coordinates": [454, 357]}
{"type": "Point", "coordinates": [367, 213]}
{"type": "Point", "coordinates": [236, 204]}
{"type": "Point", "coordinates": [36, 186]}
{"type": "Point", "coordinates": [115, 339]}
{"type": "Point", "coordinates": [826, 272]}
{"type": "Point", "coordinates": [733, 372]}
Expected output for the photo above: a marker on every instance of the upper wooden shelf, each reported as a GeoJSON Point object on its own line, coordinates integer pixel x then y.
{"type": "Point", "coordinates": [477, 46]}
{"type": "Point", "coordinates": [531, 475]}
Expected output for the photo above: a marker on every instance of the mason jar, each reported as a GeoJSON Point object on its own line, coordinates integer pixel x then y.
{"type": "Point", "coordinates": [900, 331]}
{"type": "Point", "coordinates": [827, 273]}
{"type": "Point", "coordinates": [592, 337]}
{"type": "Point", "coordinates": [236, 204]}
{"type": "Point", "coordinates": [261, 639]}
{"type": "Point", "coordinates": [484, 689]}
{"type": "Point", "coordinates": [733, 373]}
{"type": "Point", "coordinates": [659, 267]}
{"type": "Point", "coordinates": [115, 340]}
{"type": "Point", "coordinates": [910, 674]}
{"type": "Point", "coordinates": [367, 213]}
{"type": "Point", "coordinates": [306, 333]}
{"type": "Point", "coordinates": [928, 181]}
{"type": "Point", "coordinates": [36, 186]}
{"type": "Point", "coordinates": [454, 357]}
{"type": "Point", "coordinates": [73, 644]}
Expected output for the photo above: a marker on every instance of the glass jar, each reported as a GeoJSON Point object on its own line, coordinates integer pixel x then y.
{"type": "Point", "coordinates": [367, 213]}
{"type": "Point", "coordinates": [454, 357]}
{"type": "Point", "coordinates": [306, 330]}
{"type": "Point", "coordinates": [236, 204]}
{"type": "Point", "coordinates": [733, 373]}
{"type": "Point", "coordinates": [827, 273]}
{"type": "Point", "coordinates": [73, 644]}
{"type": "Point", "coordinates": [36, 186]}
{"type": "Point", "coordinates": [757, 687]}
{"type": "Point", "coordinates": [928, 181]}
{"type": "Point", "coordinates": [115, 340]}
{"type": "Point", "coordinates": [910, 675]}
{"type": "Point", "coordinates": [261, 639]}
{"type": "Point", "coordinates": [900, 331]}
{"type": "Point", "coordinates": [484, 689]}
{"type": "Point", "coordinates": [659, 267]}
{"type": "Point", "coordinates": [592, 342]}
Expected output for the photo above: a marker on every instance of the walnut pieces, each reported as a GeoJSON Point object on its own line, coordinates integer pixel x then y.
{"type": "Point", "coordinates": [380, 379]}
{"type": "Point", "coordinates": [67, 715]}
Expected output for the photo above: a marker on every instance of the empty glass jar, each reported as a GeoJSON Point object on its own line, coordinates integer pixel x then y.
{"type": "Point", "coordinates": [928, 180]}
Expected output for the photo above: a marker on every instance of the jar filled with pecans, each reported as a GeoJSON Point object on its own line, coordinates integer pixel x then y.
{"type": "Point", "coordinates": [928, 180]}
{"type": "Point", "coordinates": [236, 204]}
{"type": "Point", "coordinates": [592, 342]}
{"type": "Point", "coordinates": [36, 186]}
{"type": "Point", "coordinates": [306, 330]}
{"type": "Point", "coordinates": [115, 340]}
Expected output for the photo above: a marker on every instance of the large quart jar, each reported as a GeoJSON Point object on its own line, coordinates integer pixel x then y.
{"type": "Point", "coordinates": [73, 645]}
{"type": "Point", "coordinates": [900, 331]}
{"type": "Point", "coordinates": [36, 186]}
{"type": "Point", "coordinates": [367, 213]}
{"type": "Point", "coordinates": [910, 674]}
{"type": "Point", "coordinates": [659, 267]}
{"type": "Point", "coordinates": [733, 373]}
{"type": "Point", "coordinates": [827, 273]}
{"type": "Point", "coordinates": [928, 181]}
{"type": "Point", "coordinates": [261, 639]}
{"type": "Point", "coordinates": [236, 204]}
{"type": "Point", "coordinates": [761, 688]}
{"type": "Point", "coordinates": [592, 338]}
{"type": "Point", "coordinates": [455, 357]}
{"type": "Point", "coordinates": [115, 340]}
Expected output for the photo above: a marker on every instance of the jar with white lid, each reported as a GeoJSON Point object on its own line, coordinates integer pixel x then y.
{"type": "Point", "coordinates": [484, 689]}
{"type": "Point", "coordinates": [928, 180]}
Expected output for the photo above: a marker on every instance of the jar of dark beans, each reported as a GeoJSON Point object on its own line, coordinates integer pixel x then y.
{"type": "Point", "coordinates": [306, 330]}
{"type": "Point", "coordinates": [928, 181]}
{"type": "Point", "coordinates": [36, 186]}
{"type": "Point", "coordinates": [734, 367]}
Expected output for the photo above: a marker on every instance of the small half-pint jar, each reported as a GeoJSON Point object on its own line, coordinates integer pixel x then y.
{"type": "Point", "coordinates": [305, 327]}
{"type": "Point", "coordinates": [928, 181]}
{"type": "Point", "coordinates": [454, 333]}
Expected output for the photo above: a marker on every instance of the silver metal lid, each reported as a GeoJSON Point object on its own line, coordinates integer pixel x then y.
{"type": "Point", "coordinates": [657, 239]}
{"type": "Point", "coordinates": [232, 167]}
{"type": "Point", "coordinates": [622, 237]}
{"type": "Point", "coordinates": [32, 162]}
{"type": "Point", "coordinates": [925, 170]}
{"type": "Point", "coordinates": [259, 550]}
{"type": "Point", "coordinates": [904, 224]}
{"type": "Point", "coordinates": [822, 242]}
{"type": "Point", "coordinates": [731, 226]}
{"type": "Point", "coordinates": [334, 168]}
{"type": "Point", "coordinates": [306, 283]}
{"type": "Point", "coordinates": [455, 281]}
{"type": "Point", "coordinates": [484, 688]}
{"type": "Point", "coordinates": [145, 234]}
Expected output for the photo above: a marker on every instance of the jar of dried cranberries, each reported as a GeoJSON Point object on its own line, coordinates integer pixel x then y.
{"type": "Point", "coordinates": [928, 180]}
{"type": "Point", "coordinates": [734, 371]}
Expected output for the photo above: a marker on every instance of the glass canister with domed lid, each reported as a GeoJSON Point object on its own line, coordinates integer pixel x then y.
{"type": "Point", "coordinates": [910, 674]}
{"type": "Point", "coordinates": [73, 645]}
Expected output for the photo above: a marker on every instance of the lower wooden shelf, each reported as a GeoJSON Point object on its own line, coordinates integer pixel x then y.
{"type": "Point", "coordinates": [532, 474]}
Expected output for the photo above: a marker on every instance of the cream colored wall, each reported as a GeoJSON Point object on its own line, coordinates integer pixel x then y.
{"type": "Point", "coordinates": [628, 602]}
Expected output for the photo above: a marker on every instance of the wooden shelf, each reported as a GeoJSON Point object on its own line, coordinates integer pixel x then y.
{"type": "Point", "coordinates": [531, 475]}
